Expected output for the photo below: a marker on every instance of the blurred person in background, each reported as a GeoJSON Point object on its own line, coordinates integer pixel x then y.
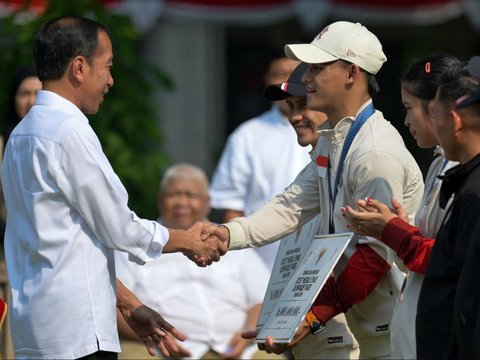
{"type": "Point", "coordinates": [211, 306]}
{"type": "Point", "coordinates": [261, 157]}
{"type": "Point", "coordinates": [23, 90]}
{"type": "Point", "coordinates": [21, 96]}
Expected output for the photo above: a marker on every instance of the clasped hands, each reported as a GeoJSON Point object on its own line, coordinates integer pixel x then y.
{"type": "Point", "coordinates": [208, 243]}
{"type": "Point", "coordinates": [372, 216]}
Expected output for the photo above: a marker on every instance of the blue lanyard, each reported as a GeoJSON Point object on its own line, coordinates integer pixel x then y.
{"type": "Point", "coordinates": [357, 124]}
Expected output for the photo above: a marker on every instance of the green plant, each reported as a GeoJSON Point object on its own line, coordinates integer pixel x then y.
{"type": "Point", "coordinates": [126, 122]}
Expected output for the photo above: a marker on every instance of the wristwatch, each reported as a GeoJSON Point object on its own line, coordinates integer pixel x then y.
{"type": "Point", "coordinates": [315, 325]}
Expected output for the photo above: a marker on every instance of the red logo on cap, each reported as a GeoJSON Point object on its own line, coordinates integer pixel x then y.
{"type": "Point", "coordinates": [320, 34]}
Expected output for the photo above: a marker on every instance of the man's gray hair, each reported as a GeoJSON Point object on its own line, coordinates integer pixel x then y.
{"type": "Point", "coordinates": [184, 171]}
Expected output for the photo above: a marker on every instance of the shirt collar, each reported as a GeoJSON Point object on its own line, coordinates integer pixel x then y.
{"type": "Point", "coordinates": [453, 179]}
{"type": "Point", "coordinates": [341, 127]}
{"type": "Point", "coordinates": [275, 109]}
{"type": "Point", "coordinates": [438, 151]}
{"type": "Point", "coordinates": [55, 101]}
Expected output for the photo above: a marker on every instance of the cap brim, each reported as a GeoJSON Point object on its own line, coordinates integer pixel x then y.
{"type": "Point", "coordinates": [275, 92]}
{"type": "Point", "coordinates": [474, 66]}
{"type": "Point", "coordinates": [470, 100]}
{"type": "Point", "coordinates": [308, 53]}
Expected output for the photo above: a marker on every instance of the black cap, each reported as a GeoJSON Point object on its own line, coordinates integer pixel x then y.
{"type": "Point", "coordinates": [293, 87]}
{"type": "Point", "coordinates": [473, 68]}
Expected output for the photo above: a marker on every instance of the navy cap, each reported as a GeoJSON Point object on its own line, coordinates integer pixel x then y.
{"type": "Point", "coordinates": [293, 87]}
{"type": "Point", "coordinates": [473, 68]}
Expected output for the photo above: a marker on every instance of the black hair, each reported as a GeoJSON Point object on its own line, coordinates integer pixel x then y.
{"type": "Point", "coordinates": [372, 82]}
{"type": "Point", "coordinates": [457, 82]}
{"type": "Point", "coordinates": [422, 77]}
{"type": "Point", "coordinates": [11, 116]}
{"type": "Point", "coordinates": [58, 41]}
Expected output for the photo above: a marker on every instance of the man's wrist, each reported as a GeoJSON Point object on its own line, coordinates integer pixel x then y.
{"type": "Point", "coordinates": [228, 232]}
{"type": "Point", "coordinates": [316, 325]}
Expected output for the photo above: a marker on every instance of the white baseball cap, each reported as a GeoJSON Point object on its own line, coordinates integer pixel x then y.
{"type": "Point", "coordinates": [344, 40]}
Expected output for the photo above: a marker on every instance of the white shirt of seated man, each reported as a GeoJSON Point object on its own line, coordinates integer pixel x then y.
{"type": "Point", "coordinates": [213, 305]}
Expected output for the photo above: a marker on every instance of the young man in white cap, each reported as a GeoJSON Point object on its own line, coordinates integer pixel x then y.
{"type": "Point", "coordinates": [359, 154]}
{"type": "Point", "coordinates": [336, 341]}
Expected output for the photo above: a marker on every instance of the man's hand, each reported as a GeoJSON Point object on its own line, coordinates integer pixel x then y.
{"type": "Point", "coordinates": [206, 246]}
{"type": "Point", "coordinates": [181, 352]}
{"type": "Point", "coordinates": [372, 216]}
{"type": "Point", "coordinates": [147, 324]}
{"type": "Point", "coordinates": [193, 244]}
{"type": "Point", "coordinates": [219, 231]}
{"type": "Point", "coordinates": [153, 330]}
{"type": "Point", "coordinates": [236, 347]}
{"type": "Point", "coordinates": [270, 346]}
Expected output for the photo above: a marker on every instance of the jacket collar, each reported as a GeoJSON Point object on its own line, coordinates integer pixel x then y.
{"type": "Point", "coordinates": [453, 179]}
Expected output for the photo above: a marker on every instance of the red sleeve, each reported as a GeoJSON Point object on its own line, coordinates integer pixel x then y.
{"type": "Point", "coordinates": [412, 247]}
{"type": "Point", "coordinates": [363, 272]}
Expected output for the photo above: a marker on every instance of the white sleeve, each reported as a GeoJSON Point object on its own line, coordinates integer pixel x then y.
{"type": "Point", "coordinates": [95, 191]}
{"type": "Point", "coordinates": [231, 179]}
{"type": "Point", "coordinates": [255, 277]}
{"type": "Point", "coordinates": [124, 270]}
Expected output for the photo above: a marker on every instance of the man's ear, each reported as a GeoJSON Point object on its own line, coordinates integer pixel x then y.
{"type": "Point", "coordinates": [430, 108]}
{"type": "Point", "coordinates": [353, 72]}
{"type": "Point", "coordinates": [78, 68]}
{"type": "Point", "coordinates": [457, 120]}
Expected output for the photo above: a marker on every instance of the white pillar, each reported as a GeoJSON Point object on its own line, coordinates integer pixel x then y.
{"type": "Point", "coordinates": [191, 117]}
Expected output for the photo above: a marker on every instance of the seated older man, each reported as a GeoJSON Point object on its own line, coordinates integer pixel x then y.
{"type": "Point", "coordinates": [212, 306]}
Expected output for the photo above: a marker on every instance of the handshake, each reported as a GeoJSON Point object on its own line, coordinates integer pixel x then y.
{"type": "Point", "coordinates": [203, 243]}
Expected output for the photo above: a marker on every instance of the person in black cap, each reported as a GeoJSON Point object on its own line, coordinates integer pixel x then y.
{"type": "Point", "coordinates": [306, 122]}
{"type": "Point", "coordinates": [249, 172]}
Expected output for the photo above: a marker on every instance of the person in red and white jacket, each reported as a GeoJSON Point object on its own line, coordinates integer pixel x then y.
{"type": "Point", "coordinates": [447, 322]}
{"type": "Point", "coordinates": [419, 86]}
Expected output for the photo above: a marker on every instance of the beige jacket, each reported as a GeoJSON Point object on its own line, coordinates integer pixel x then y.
{"type": "Point", "coordinates": [378, 165]}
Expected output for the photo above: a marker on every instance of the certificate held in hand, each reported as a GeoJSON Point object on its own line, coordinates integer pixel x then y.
{"type": "Point", "coordinates": [308, 261]}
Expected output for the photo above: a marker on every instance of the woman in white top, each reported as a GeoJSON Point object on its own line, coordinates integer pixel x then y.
{"type": "Point", "coordinates": [419, 86]}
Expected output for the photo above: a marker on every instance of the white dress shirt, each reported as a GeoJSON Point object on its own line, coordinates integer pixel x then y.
{"type": "Point", "coordinates": [261, 158]}
{"type": "Point", "coordinates": [209, 305]}
{"type": "Point", "coordinates": [428, 219]}
{"type": "Point", "coordinates": [67, 211]}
